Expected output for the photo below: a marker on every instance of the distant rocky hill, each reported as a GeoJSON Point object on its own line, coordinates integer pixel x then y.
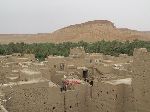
{"type": "Point", "coordinates": [89, 31]}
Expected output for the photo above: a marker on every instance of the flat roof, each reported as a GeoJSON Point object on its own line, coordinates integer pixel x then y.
{"type": "Point", "coordinates": [126, 81]}
{"type": "Point", "coordinates": [30, 72]}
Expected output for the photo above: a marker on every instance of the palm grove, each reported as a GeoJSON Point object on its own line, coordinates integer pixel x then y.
{"type": "Point", "coordinates": [42, 50]}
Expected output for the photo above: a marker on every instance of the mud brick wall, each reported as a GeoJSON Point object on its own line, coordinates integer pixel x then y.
{"type": "Point", "coordinates": [141, 80]}
{"type": "Point", "coordinates": [77, 100]}
{"type": "Point", "coordinates": [111, 97]}
{"type": "Point", "coordinates": [107, 98]}
{"type": "Point", "coordinates": [33, 97]}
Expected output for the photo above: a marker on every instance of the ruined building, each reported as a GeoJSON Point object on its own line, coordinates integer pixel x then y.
{"type": "Point", "coordinates": [79, 83]}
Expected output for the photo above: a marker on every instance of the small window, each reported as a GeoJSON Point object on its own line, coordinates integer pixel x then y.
{"type": "Point", "coordinates": [54, 66]}
{"type": "Point", "coordinates": [96, 61]}
{"type": "Point", "coordinates": [85, 73]}
{"type": "Point", "coordinates": [90, 61]}
{"type": "Point", "coordinates": [91, 83]}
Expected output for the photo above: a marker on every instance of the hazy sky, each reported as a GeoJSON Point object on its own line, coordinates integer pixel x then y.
{"type": "Point", "coordinates": [39, 16]}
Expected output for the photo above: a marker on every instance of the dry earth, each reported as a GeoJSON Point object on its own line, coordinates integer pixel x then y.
{"type": "Point", "coordinates": [89, 31]}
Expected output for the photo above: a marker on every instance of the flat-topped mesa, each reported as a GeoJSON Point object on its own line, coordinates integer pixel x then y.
{"type": "Point", "coordinates": [95, 22]}
{"type": "Point", "coordinates": [106, 22]}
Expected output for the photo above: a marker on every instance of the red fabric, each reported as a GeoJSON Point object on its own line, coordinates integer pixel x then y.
{"type": "Point", "coordinates": [70, 82]}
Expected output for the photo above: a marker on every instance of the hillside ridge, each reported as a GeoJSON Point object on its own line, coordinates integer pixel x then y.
{"type": "Point", "coordinates": [90, 31]}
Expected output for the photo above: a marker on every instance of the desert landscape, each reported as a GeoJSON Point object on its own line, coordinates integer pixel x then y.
{"type": "Point", "coordinates": [74, 56]}
{"type": "Point", "coordinates": [90, 31]}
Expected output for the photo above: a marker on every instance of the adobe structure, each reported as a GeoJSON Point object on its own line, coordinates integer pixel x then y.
{"type": "Point", "coordinates": [79, 83]}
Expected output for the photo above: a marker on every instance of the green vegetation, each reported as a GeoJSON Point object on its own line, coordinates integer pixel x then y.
{"type": "Point", "coordinates": [42, 50]}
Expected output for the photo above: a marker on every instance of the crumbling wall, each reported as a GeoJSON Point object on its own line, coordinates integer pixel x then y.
{"type": "Point", "coordinates": [106, 97]}
{"type": "Point", "coordinates": [141, 79]}
{"type": "Point", "coordinates": [77, 100]}
{"type": "Point", "coordinates": [112, 96]}
{"type": "Point", "coordinates": [38, 96]}
{"type": "Point", "coordinates": [71, 101]}
{"type": "Point", "coordinates": [128, 99]}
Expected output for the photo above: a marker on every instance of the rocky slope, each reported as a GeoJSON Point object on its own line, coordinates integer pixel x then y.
{"type": "Point", "coordinates": [89, 31]}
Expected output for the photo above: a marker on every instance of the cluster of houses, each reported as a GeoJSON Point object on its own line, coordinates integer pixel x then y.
{"type": "Point", "coordinates": [81, 82]}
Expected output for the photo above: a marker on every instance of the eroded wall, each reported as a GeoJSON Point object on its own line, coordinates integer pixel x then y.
{"type": "Point", "coordinates": [33, 97]}
{"type": "Point", "coordinates": [115, 96]}
{"type": "Point", "coordinates": [77, 100]}
{"type": "Point", "coordinates": [141, 80]}
{"type": "Point", "coordinates": [106, 98]}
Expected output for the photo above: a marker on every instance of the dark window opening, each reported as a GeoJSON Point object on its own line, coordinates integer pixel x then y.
{"type": "Point", "coordinates": [53, 108]}
{"type": "Point", "coordinates": [70, 106]}
{"type": "Point", "coordinates": [91, 83]}
{"type": "Point", "coordinates": [85, 74]}
{"type": "Point", "coordinates": [54, 66]}
{"type": "Point", "coordinates": [61, 89]}
{"type": "Point", "coordinates": [90, 61]}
